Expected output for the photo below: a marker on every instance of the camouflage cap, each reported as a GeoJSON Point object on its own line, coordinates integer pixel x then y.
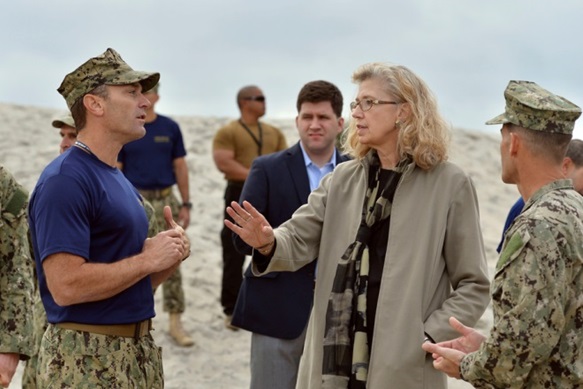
{"type": "Point", "coordinates": [106, 69]}
{"type": "Point", "coordinates": [64, 120]}
{"type": "Point", "coordinates": [530, 106]}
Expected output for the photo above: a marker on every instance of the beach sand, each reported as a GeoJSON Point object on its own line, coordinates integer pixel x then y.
{"type": "Point", "coordinates": [220, 357]}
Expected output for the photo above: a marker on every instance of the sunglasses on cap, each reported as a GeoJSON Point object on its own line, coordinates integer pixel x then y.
{"type": "Point", "coordinates": [255, 98]}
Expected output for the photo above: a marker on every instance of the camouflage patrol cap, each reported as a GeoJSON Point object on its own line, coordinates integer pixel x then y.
{"type": "Point", "coordinates": [106, 69]}
{"type": "Point", "coordinates": [63, 120]}
{"type": "Point", "coordinates": [530, 106]}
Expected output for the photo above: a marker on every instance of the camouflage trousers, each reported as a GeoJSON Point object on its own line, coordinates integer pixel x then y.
{"type": "Point", "coordinates": [39, 325]}
{"type": "Point", "coordinates": [76, 359]}
{"type": "Point", "coordinates": [172, 292]}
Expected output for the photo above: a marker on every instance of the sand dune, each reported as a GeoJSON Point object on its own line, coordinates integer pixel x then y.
{"type": "Point", "coordinates": [220, 358]}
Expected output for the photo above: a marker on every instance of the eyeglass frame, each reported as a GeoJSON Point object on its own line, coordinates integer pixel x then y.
{"type": "Point", "coordinates": [260, 98]}
{"type": "Point", "coordinates": [354, 104]}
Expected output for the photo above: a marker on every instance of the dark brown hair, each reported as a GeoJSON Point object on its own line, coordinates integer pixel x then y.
{"type": "Point", "coordinates": [318, 91]}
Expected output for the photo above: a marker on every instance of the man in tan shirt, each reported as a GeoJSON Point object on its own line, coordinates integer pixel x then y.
{"type": "Point", "coordinates": [235, 146]}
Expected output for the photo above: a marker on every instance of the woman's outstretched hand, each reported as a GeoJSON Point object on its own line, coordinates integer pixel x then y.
{"type": "Point", "coordinates": [250, 225]}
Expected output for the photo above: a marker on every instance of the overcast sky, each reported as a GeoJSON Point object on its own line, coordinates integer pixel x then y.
{"type": "Point", "coordinates": [466, 50]}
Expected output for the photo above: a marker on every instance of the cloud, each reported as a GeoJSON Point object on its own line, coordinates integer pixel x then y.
{"type": "Point", "coordinates": [465, 51]}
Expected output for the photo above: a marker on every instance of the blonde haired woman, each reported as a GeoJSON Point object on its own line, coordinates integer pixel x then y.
{"type": "Point", "coordinates": [397, 236]}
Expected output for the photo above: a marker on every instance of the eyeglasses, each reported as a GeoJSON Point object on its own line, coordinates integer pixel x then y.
{"type": "Point", "coordinates": [255, 98]}
{"type": "Point", "coordinates": [367, 104]}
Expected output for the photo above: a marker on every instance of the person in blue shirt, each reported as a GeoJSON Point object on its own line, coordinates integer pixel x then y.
{"type": "Point", "coordinates": [95, 265]}
{"type": "Point", "coordinates": [154, 164]}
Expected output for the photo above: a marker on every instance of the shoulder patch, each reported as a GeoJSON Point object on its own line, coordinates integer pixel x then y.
{"type": "Point", "coordinates": [17, 202]}
{"type": "Point", "coordinates": [510, 249]}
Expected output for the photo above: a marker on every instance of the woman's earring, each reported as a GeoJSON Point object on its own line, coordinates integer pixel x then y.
{"type": "Point", "coordinates": [398, 123]}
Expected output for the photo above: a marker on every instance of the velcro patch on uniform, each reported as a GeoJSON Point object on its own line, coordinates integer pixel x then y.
{"type": "Point", "coordinates": [17, 203]}
{"type": "Point", "coordinates": [513, 246]}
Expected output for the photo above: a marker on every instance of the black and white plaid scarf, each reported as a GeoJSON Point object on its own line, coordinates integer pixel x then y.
{"type": "Point", "coordinates": [346, 349]}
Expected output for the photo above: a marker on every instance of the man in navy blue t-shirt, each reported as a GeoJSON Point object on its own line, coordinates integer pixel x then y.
{"type": "Point", "coordinates": [154, 164]}
{"type": "Point", "coordinates": [95, 266]}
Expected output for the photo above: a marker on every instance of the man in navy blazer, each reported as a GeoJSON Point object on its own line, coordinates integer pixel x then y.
{"type": "Point", "coordinates": [276, 306]}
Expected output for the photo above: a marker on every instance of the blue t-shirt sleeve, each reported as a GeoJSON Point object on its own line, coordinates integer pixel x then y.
{"type": "Point", "coordinates": [61, 214]}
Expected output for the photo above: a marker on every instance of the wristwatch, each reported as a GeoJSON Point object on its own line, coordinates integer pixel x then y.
{"type": "Point", "coordinates": [187, 205]}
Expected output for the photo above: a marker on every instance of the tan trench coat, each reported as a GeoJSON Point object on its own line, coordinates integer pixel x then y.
{"type": "Point", "coordinates": [434, 267]}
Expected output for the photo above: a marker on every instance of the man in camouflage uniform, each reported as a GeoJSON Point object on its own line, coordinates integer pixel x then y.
{"type": "Point", "coordinates": [537, 291]}
{"type": "Point", "coordinates": [95, 266]}
{"type": "Point", "coordinates": [16, 278]}
{"type": "Point", "coordinates": [66, 126]}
